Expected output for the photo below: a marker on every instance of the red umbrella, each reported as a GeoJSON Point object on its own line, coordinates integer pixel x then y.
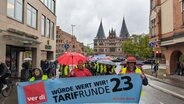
{"type": "Point", "coordinates": [71, 58]}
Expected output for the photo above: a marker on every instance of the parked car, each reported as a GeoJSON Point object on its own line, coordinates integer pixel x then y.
{"type": "Point", "coordinates": [149, 61]}
{"type": "Point", "coordinates": [119, 59]}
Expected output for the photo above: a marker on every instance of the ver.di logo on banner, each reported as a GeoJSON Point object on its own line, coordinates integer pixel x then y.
{"type": "Point", "coordinates": [35, 93]}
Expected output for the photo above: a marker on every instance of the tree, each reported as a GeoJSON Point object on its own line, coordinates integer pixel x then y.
{"type": "Point", "coordinates": [88, 50]}
{"type": "Point", "coordinates": [137, 45]}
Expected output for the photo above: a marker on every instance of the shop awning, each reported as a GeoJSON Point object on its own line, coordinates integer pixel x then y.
{"type": "Point", "coordinates": [23, 39]}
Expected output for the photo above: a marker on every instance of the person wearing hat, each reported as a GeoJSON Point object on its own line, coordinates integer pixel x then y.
{"type": "Point", "coordinates": [132, 68]}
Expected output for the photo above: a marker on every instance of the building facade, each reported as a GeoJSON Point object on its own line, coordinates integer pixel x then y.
{"type": "Point", "coordinates": [110, 45]}
{"type": "Point", "coordinates": [167, 30]}
{"type": "Point", "coordinates": [66, 42]}
{"type": "Point", "coordinates": [27, 26]}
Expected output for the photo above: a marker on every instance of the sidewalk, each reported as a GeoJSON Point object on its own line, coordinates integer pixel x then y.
{"type": "Point", "coordinates": [172, 85]}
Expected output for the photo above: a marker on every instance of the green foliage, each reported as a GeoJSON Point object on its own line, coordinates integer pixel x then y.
{"type": "Point", "coordinates": [89, 50]}
{"type": "Point", "coordinates": [137, 45]}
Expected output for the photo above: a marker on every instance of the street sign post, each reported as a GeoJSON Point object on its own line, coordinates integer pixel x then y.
{"type": "Point", "coordinates": [66, 46]}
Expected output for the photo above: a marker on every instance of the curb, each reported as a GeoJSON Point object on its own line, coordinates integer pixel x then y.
{"type": "Point", "coordinates": [167, 91]}
{"type": "Point", "coordinates": [157, 79]}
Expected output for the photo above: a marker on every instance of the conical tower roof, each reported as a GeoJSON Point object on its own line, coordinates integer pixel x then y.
{"type": "Point", "coordinates": [100, 33]}
{"type": "Point", "coordinates": [124, 31]}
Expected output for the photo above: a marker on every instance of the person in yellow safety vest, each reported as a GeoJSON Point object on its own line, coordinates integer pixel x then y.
{"type": "Point", "coordinates": [110, 70]}
{"type": "Point", "coordinates": [101, 69]}
{"type": "Point", "coordinates": [60, 70]}
{"type": "Point", "coordinates": [105, 69]}
{"type": "Point", "coordinates": [131, 68]}
{"type": "Point", "coordinates": [66, 71]}
{"type": "Point", "coordinates": [97, 67]}
{"type": "Point", "coordinates": [38, 75]}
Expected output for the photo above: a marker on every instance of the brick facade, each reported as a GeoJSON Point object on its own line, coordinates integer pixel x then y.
{"type": "Point", "coordinates": [171, 41]}
{"type": "Point", "coordinates": [63, 38]}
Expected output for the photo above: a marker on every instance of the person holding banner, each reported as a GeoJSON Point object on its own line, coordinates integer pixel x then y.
{"type": "Point", "coordinates": [38, 75]}
{"type": "Point", "coordinates": [80, 70]}
{"type": "Point", "coordinates": [131, 68]}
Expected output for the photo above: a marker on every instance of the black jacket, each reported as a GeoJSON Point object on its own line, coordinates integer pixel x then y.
{"type": "Point", "coordinates": [4, 69]}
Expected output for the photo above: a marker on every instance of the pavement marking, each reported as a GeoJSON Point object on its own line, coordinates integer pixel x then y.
{"type": "Point", "coordinates": [167, 91]}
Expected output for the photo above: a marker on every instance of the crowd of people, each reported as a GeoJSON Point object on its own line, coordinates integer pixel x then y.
{"type": "Point", "coordinates": [49, 68]}
{"type": "Point", "coordinates": [95, 69]}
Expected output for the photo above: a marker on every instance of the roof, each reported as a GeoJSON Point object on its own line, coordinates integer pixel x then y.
{"type": "Point", "coordinates": [124, 31]}
{"type": "Point", "coordinates": [100, 33]}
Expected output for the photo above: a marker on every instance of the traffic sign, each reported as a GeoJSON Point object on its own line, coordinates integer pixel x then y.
{"type": "Point", "coordinates": [152, 44]}
{"type": "Point", "coordinates": [66, 46]}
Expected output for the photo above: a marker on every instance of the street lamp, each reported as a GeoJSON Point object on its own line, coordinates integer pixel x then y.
{"type": "Point", "coordinates": [72, 27]}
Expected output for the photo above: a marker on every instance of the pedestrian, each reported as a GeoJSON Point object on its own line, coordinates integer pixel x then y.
{"type": "Point", "coordinates": [4, 73]}
{"type": "Point", "coordinates": [131, 68]}
{"type": "Point", "coordinates": [110, 70]}
{"type": "Point", "coordinates": [25, 72]}
{"type": "Point", "coordinates": [64, 71]}
{"type": "Point", "coordinates": [182, 69]}
{"type": "Point", "coordinates": [45, 66]}
{"type": "Point", "coordinates": [61, 68]}
{"type": "Point", "coordinates": [80, 71]}
{"type": "Point", "coordinates": [155, 68]}
{"type": "Point", "coordinates": [102, 69]}
{"type": "Point", "coordinates": [152, 67]}
{"type": "Point", "coordinates": [38, 75]}
{"type": "Point", "coordinates": [91, 68]}
{"type": "Point", "coordinates": [178, 67]}
{"type": "Point", "coordinates": [97, 67]}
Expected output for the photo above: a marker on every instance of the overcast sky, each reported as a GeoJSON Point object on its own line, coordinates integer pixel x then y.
{"type": "Point", "coordinates": [87, 14]}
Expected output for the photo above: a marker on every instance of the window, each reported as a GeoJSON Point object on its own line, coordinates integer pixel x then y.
{"type": "Point", "coordinates": [95, 44]}
{"type": "Point", "coordinates": [31, 16]}
{"type": "Point", "coordinates": [112, 44]}
{"type": "Point", "coordinates": [183, 11]}
{"type": "Point", "coordinates": [53, 6]}
{"type": "Point", "coordinates": [52, 30]}
{"type": "Point", "coordinates": [112, 49]}
{"type": "Point", "coordinates": [48, 28]}
{"type": "Point", "coordinates": [50, 4]}
{"type": "Point", "coordinates": [101, 50]}
{"type": "Point", "coordinates": [153, 4]}
{"type": "Point", "coordinates": [153, 27]}
{"type": "Point", "coordinates": [101, 44]}
{"type": "Point", "coordinates": [43, 25]}
{"type": "Point", "coordinates": [14, 9]}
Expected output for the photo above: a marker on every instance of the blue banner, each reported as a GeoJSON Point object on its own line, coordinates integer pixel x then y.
{"type": "Point", "coordinates": [97, 89]}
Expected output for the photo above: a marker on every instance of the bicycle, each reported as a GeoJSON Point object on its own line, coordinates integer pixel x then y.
{"type": "Point", "coordinates": [8, 88]}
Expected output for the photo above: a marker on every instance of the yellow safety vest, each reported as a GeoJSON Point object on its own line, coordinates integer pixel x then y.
{"type": "Point", "coordinates": [97, 68]}
{"type": "Point", "coordinates": [101, 68]}
{"type": "Point", "coordinates": [44, 77]}
{"type": "Point", "coordinates": [66, 70]}
{"type": "Point", "coordinates": [137, 70]}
